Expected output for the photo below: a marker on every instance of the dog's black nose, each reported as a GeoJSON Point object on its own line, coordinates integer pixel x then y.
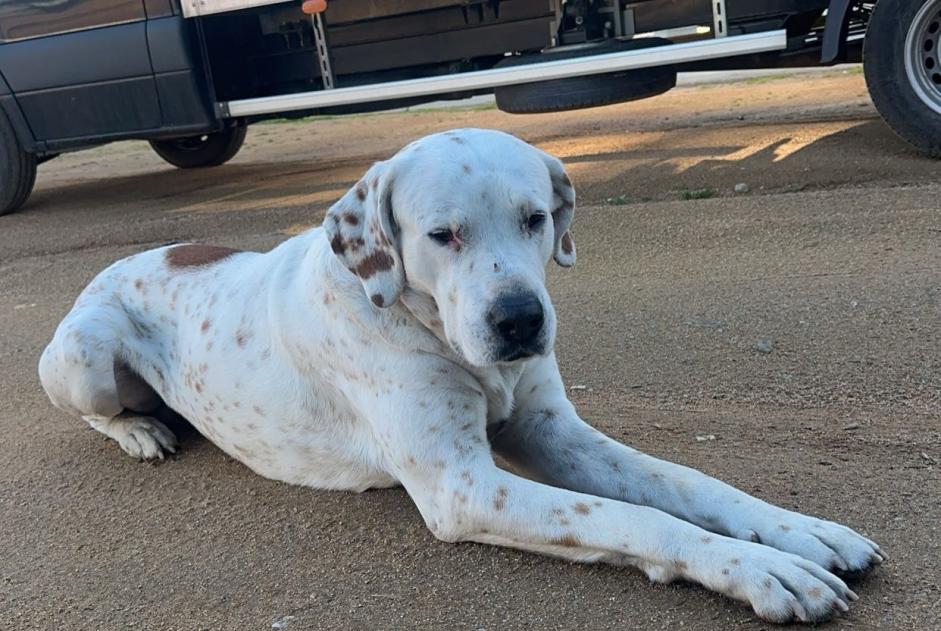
{"type": "Point", "coordinates": [517, 318]}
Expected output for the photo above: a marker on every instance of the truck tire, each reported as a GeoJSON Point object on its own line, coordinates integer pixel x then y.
{"type": "Point", "coordinates": [586, 91]}
{"type": "Point", "coordinates": [902, 64]}
{"type": "Point", "coordinates": [204, 150]}
{"type": "Point", "coordinates": [17, 169]}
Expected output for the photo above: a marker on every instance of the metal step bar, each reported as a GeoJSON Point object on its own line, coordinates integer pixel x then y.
{"type": "Point", "coordinates": [496, 77]}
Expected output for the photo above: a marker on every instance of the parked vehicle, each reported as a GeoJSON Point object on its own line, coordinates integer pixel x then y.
{"type": "Point", "coordinates": [190, 75]}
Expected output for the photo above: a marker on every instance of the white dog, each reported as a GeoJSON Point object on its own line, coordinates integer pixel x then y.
{"type": "Point", "coordinates": [402, 343]}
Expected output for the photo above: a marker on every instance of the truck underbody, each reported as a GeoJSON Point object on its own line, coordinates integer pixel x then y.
{"type": "Point", "coordinates": [388, 54]}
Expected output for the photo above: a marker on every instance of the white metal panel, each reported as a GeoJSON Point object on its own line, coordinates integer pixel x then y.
{"type": "Point", "coordinates": [543, 71]}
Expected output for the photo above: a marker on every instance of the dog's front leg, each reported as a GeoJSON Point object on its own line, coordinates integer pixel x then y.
{"type": "Point", "coordinates": [546, 437]}
{"type": "Point", "coordinates": [434, 441]}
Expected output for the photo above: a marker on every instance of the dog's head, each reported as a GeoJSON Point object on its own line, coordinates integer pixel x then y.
{"type": "Point", "coordinates": [468, 218]}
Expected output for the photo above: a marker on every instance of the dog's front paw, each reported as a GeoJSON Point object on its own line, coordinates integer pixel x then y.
{"type": "Point", "coordinates": [828, 544]}
{"type": "Point", "coordinates": [780, 587]}
{"type": "Point", "coordinates": [143, 438]}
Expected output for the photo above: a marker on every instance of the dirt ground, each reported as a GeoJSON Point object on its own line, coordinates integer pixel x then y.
{"type": "Point", "coordinates": [832, 257]}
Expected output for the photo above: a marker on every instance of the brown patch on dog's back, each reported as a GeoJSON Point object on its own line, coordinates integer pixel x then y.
{"type": "Point", "coordinates": [197, 255]}
{"type": "Point", "coordinates": [567, 243]}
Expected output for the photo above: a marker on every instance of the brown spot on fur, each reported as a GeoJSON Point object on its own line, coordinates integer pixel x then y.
{"type": "Point", "coordinates": [240, 339]}
{"type": "Point", "coordinates": [784, 528]}
{"type": "Point", "coordinates": [337, 244]}
{"type": "Point", "coordinates": [735, 562]}
{"type": "Point", "coordinates": [457, 139]}
{"type": "Point", "coordinates": [361, 192]}
{"type": "Point", "coordinates": [567, 541]}
{"type": "Point", "coordinates": [356, 244]}
{"type": "Point", "coordinates": [814, 592]}
{"type": "Point", "coordinates": [197, 255]}
{"type": "Point", "coordinates": [598, 504]}
{"type": "Point", "coordinates": [499, 501]}
{"type": "Point", "coordinates": [258, 410]}
{"type": "Point", "coordinates": [138, 284]}
{"type": "Point", "coordinates": [205, 326]}
{"type": "Point", "coordinates": [351, 219]}
{"type": "Point", "coordinates": [466, 168]}
{"type": "Point", "coordinates": [378, 261]}
{"type": "Point", "coordinates": [706, 539]}
{"type": "Point", "coordinates": [567, 244]}
{"type": "Point", "coordinates": [725, 571]}
{"type": "Point", "coordinates": [566, 180]}
{"type": "Point", "coordinates": [581, 508]}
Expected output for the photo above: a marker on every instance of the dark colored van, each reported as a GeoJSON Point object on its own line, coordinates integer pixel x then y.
{"type": "Point", "coordinates": [190, 75]}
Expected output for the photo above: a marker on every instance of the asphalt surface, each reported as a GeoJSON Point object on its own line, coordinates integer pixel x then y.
{"type": "Point", "coordinates": [797, 324]}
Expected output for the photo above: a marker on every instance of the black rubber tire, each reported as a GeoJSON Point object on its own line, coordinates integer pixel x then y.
{"type": "Point", "coordinates": [889, 85]}
{"type": "Point", "coordinates": [17, 169]}
{"type": "Point", "coordinates": [588, 91]}
{"type": "Point", "coordinates": [205, 150]}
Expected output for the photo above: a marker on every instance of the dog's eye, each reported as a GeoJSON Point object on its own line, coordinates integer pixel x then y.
{"type": "Point", "coordinates": [536, 220]}
{"type": "Point", "coordinates": [442, 237]}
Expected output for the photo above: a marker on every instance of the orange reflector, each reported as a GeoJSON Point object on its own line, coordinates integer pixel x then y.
{"type": "Point", "coordinates": [311, 7]}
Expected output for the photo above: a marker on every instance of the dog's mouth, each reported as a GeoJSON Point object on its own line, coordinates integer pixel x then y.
{"type": "Point", "coordinates": [517, 353]}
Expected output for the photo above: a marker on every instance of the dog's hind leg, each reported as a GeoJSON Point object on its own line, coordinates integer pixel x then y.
{"type": "Point", "coordinates": [83, 374]}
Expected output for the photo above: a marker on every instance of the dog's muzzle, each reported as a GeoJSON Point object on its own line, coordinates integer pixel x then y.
{"type": "Point", "coordinates": [517, 321]}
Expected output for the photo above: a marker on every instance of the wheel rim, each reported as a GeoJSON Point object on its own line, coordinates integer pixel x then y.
{"type": "Point", "coordinates": [922, 56]}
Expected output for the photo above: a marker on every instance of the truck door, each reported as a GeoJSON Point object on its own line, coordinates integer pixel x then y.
{"type": "Point", "coordinates": [79, 68]}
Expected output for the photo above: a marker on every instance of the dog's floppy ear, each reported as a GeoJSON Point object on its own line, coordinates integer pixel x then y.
{"type": "Point", "coordinates": [563, 209]}
{"type": "Point", "coordinates": [362, 234]}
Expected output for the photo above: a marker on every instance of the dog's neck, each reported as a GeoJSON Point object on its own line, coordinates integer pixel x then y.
{"type": "Point", "coordinates": [424, 308]}
{"type": "Point", "coordinates": [498, 382]}
{"type": "Point", "coordinates": [414, 324]}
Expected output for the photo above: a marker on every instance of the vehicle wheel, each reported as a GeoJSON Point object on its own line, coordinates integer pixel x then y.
{"type": "Point", "coordinates": [902, 64]}
{"type": "Point", "coordinates": [588, 91]}
{"type": "Point", "coordinates": [204, 150]}
{"type": "Point", "coordinates": [17, 169]}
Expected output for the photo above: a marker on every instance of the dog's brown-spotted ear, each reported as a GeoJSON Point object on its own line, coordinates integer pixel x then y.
{"type": "Point", "coordinates": [361, 231]}
{"type": "Point", "coordinates": [563, 205]}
